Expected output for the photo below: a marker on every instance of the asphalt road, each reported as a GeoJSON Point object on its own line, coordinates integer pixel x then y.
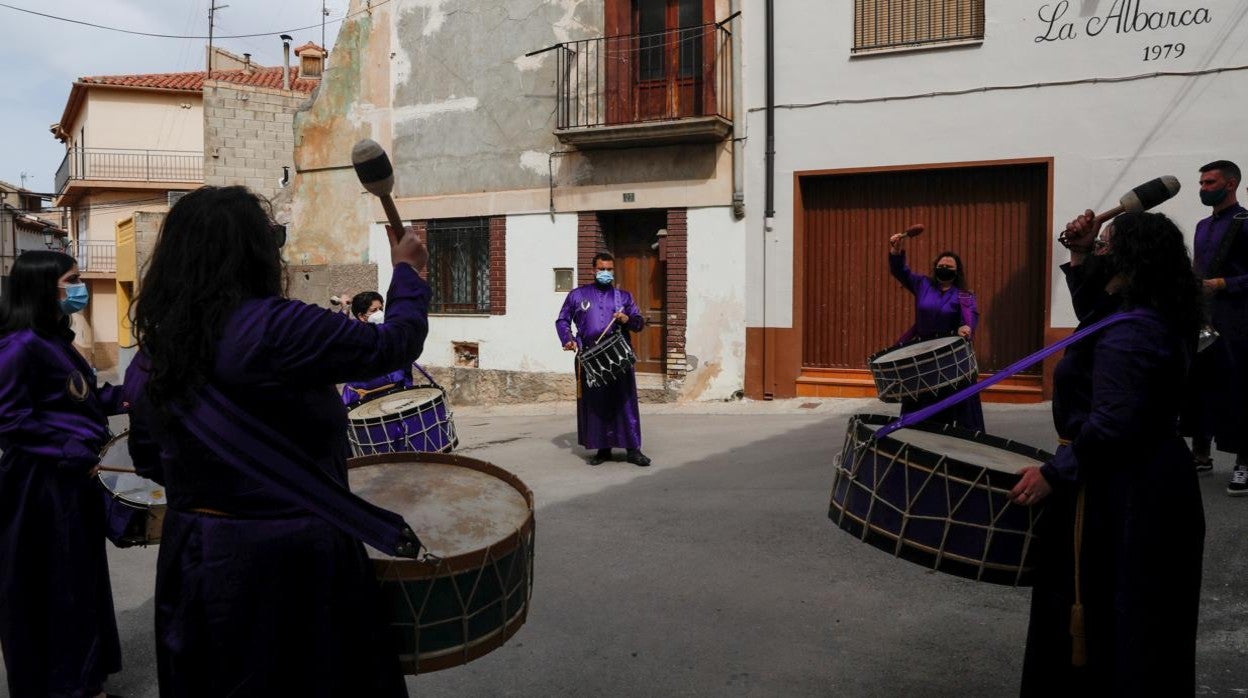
{"type": "Point", "coordinates": [717, 572]}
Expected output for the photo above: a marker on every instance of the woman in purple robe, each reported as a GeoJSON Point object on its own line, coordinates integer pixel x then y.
{"type": "Point", "coordinates": [57, 628]}
{"type": "Point", "coordinates": [1121, 482]}
{"type": "Point", "coordinates": [606, 415]}
{"type": "Point", "coordinates": [943, 307]}
{"type": "Point", "coordinates": [256, 596]}
{"type": "Point", "coordinates": [369, 306]}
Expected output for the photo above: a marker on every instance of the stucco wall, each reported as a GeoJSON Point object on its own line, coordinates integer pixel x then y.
{"type": "Point", "coordinates": [142, 119]}
{"type": "Point", "coordinates": [1106, 133]}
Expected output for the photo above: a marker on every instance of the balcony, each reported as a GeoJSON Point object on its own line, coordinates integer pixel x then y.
{"type": "Point", "coordinates": [113, 167]}
{"type": "Point", "coordinates": [660, 88]}
{"type": "Point", "coordinates": [95, 258]}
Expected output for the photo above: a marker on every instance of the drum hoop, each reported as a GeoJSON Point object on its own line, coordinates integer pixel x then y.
{"type": "Point", "coordinates": [601, 347]}
{"type": "Point", "coordinates": [401, 414]}
{"type": "Point", "coordinates": [407, 569]}
{"type": "Point", "coordinates": [960, 345]}
{"type": "Point", "coordinates": [925, 457]}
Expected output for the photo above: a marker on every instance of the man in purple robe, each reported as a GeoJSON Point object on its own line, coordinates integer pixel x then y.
{"type": "Point", "coordinates": [1216, 408]}
{"type": "Point", "coordinates": [606, 415]}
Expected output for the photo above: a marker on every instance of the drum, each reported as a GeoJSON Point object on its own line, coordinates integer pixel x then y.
{"type": "Point", "coordinates": [923, 369]}
{"type": "Point", "coordinates": [478, 520]}
{"type": "Point", "coordinates": [134, 506]}
{"type": "Point", "coordinates": [414, 419]}
{"type": "Point", "coordinates": [607, 360]}
{"type": "Point", "coordinates": [938, 496]}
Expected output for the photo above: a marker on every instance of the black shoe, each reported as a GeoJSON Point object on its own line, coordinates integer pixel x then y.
{"type": "Point", "coordinates": [603, 455]}
{"type": "Point", "coordinates": [636, 457]}
{"type": "Point", "coordinates": [1203, 464]}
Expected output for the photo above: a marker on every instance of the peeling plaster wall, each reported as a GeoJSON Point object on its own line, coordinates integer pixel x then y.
{"type": "Point", "coordinates": [715, 339]}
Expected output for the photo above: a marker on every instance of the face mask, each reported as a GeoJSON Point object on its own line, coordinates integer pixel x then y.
{"type": "Point", "coordinates": [76, 298]}
{"type": "Point", "coordinates": [604, 277]}
{"type": "Point", "coordinates": [1212, 198]}
{"type": "Point", "coordinates": [945, 274]}
{"type": "Point", "coordinates": [378, 317]}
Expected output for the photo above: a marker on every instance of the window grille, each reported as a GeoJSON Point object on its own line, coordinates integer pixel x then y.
{"type": "Point", "coordinates": [891, 24]}
{"type": "Point", "coordinates": [459, 265]}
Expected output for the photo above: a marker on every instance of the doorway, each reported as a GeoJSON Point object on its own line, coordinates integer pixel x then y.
{"type": "Point", "coordinates": [631, 238]}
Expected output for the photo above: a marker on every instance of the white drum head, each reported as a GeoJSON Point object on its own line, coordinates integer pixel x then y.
{"type": "Point", "coordinates": [116, 453]}
{"type": "Point", "coordinates": [134, 488]}
{"type": "Point", "coordinates": [917, 349]}
{"type": "Point", "coordinates": [454, 510]}
{"type": "Point", "coordinates": [964, 450]}
{"type": "Point", "coordinates": [402, 402]}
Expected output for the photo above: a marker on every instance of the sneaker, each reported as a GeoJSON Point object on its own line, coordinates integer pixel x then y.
{"type": "Point", "coordinates": [1238, 486]}
{"type": "Point", "coordinates": [1203, 465]}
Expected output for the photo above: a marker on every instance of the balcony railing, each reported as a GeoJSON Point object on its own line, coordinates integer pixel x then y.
{"type": "Point", "coordinates": [130, 166]}
{"type": "Point", "coordinates": [674, 75]}
{"type": "Point", "coordinates": [95, 257]}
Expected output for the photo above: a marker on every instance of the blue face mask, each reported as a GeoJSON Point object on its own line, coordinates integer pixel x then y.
{"type": "Point", "coordinates": [76, 298]}
{"type": "Point", "coordinates": [604, 277]}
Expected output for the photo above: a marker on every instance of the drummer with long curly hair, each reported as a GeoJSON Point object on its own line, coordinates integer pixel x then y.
{"type": "Point", "coordinates": [1117, 588]}
{"type": "Point", "coordinates": [943, 307]}
{"type": "Point", "coordinates": [255, 595]}
{"type": "Point", "coordinates": [57, 628]}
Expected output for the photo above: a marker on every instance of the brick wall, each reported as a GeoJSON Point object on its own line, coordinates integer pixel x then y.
{"type": "Point", "coordinates": [677, 245]}
{"type": "Point", "coordinates": [589, 242]}
{"type": "Point", "coordinates": [498, 265]}
{"type": "Point", "coordinates": [248, 135]}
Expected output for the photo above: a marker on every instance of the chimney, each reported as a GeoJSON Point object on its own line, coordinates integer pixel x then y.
{"type": "Point", "coordinates": [286, 39]}
{"type": "Point", "coordinates": [247, 62]}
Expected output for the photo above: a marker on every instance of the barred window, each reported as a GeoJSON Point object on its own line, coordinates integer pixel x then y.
{"type": "Point", "coordinates": [459, 265]}
{"type": "Point", "coordinates": [892, 24]}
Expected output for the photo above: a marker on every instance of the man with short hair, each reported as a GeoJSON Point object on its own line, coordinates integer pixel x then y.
{"type": "Point", "coordinates": [1218, 405]}
{"type": "Point", "coordinates": [606, 415]}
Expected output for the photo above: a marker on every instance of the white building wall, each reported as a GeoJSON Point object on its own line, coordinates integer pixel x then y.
{"type": "Point", "coordinates": [715, 336]}
{"type": "Point", "coordinates": [1106, 131]}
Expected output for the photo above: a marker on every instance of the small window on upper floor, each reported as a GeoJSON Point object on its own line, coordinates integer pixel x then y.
{"type": "Point", "coordinates": [883, 25]}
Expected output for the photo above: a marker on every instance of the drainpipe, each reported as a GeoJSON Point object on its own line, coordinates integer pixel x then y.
{"type": "Point", "coordinates": [738, 123]}
{"type": "Point", "coordinates": [769, 206]}
{"type": "Point", "coordinates": [286, 39]}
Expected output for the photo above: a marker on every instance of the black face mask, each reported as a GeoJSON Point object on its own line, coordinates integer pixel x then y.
{"type": "Point", "coordinates": [1099, 268]}
{"type": "Point", "coordinates": [945, 274]}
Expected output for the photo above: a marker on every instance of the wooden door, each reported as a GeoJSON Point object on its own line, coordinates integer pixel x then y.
{"type": "Point", "coordinates": [660, 59]}
{"type": "Point", "coordinates": [638, 270]}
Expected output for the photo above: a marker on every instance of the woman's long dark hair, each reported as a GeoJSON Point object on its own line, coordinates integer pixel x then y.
{"type": "Point", "coordinates": [215, 250]}
{"type": "Point", "coordinates": [1148, 250]}
{"type": "Point", "coordinates": [959, 281]}
{"type": "Point", "coordinates": [30, 301]}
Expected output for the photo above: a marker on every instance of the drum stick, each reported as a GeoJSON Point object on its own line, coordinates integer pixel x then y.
{"type": "Point", "coordinates": [915, 230]}
{"type": "Point", "coordinates": [1143, 197]}
{"type": "Point", "coordinates": [114, 469]}
{"type": "Point", "coordinates": [373, 167]}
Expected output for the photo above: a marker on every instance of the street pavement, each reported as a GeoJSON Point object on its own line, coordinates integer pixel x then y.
{"type": "Point", "coordinates": [717, 572]}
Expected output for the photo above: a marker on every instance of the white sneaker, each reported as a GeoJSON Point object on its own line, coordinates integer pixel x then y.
{"type": "Point", "coordinates": [1238, 486]}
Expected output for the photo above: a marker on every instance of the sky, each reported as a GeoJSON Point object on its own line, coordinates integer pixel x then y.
{"type": "Point", "coordinates": [40, 58]}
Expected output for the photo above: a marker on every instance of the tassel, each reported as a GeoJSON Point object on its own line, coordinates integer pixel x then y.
{"type": "Point", "coordinates": [1078, 637]}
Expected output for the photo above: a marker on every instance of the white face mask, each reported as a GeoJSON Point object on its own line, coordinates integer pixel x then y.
{"type": "Point", "coordinates": [378, 317]}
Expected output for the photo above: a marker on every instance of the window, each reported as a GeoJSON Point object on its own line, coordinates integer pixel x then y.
{"type": "Point", "coordinates": [893, 24]}
{"type": "Point", "coordinates": [459, 265]}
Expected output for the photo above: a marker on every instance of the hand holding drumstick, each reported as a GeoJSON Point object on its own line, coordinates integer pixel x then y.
{"type": "Point", "coordinates": [897, 241]}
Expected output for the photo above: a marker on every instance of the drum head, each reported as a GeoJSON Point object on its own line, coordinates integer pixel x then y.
{"type": "Point", "coordinates": [910, 351]}
{"type": "Point", "coordinates": [133, 488]}
{"type": "Point", "coordinates": [116, 453]}
{"type": "Point", "coordinates": [454, 509]}
{"type": "Point", "coordinates": [402, 402]}
{"type": "Point", "coordinates": [965, 450]}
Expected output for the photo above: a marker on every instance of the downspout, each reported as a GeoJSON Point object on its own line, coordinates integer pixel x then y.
{"type": "Point", "coordinates": [738, 122]}
{"type": "Point", "coordinates": [769, 207]}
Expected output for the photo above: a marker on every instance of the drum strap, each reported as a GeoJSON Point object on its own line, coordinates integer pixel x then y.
{"type": "Point", "coordinates": [1026, 362]}
{"type": "Point", "coordinates": [258, 452]}
{"type": "Point", "coordinates": [1078, 633]}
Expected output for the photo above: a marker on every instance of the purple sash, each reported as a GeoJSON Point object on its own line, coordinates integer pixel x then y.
{"type": "Point", "coordinates": [922, 414]}
{"type": "Point", "coordinates": [268, 457]}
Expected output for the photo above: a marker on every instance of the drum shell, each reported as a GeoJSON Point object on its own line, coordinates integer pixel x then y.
{"type": "Point", "coordinates": [932, 374]}
{"type": "Point", "coordinates": [607, 361]}
{"type": "Point", "coordinates": [935, 511]}
{"type": "Point", "coordinates": [404, 431]}
{"type": "Point", "coordinates": [501, 575]}
{"type": "Point", "coordinates": [126, 523]}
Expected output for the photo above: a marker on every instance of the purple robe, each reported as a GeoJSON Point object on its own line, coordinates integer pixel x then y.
{"type": "Point", "coordinates": [263, 598]}
{"type": "Point", "coordinates": [57, 627]}
{"type": "Point", "coordinates": [606, 416]}
{"type": "Point", "coordinates": [1217, 405]}
{"type": "Point", "coordinates": [351, 390]}
{"type": "Point", "coordinates": [1116, 397]}
{"type": "Point", "coordinates": [938, 313]}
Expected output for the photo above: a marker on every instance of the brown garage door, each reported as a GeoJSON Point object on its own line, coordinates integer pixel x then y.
{"type": "Point", "coordinates": [993, 216]}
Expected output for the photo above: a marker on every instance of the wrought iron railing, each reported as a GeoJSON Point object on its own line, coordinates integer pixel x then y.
{"type": "Point", "coordinates": [894, 24]}
{"type": "Point", "coordinates": [130, 166]}
{"type": "Point", "coordinates": [459, 265]}
{"type": "Point", "coordinates": [675, 74]}
{"type": "Point", "coordinates": [95, 257]}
